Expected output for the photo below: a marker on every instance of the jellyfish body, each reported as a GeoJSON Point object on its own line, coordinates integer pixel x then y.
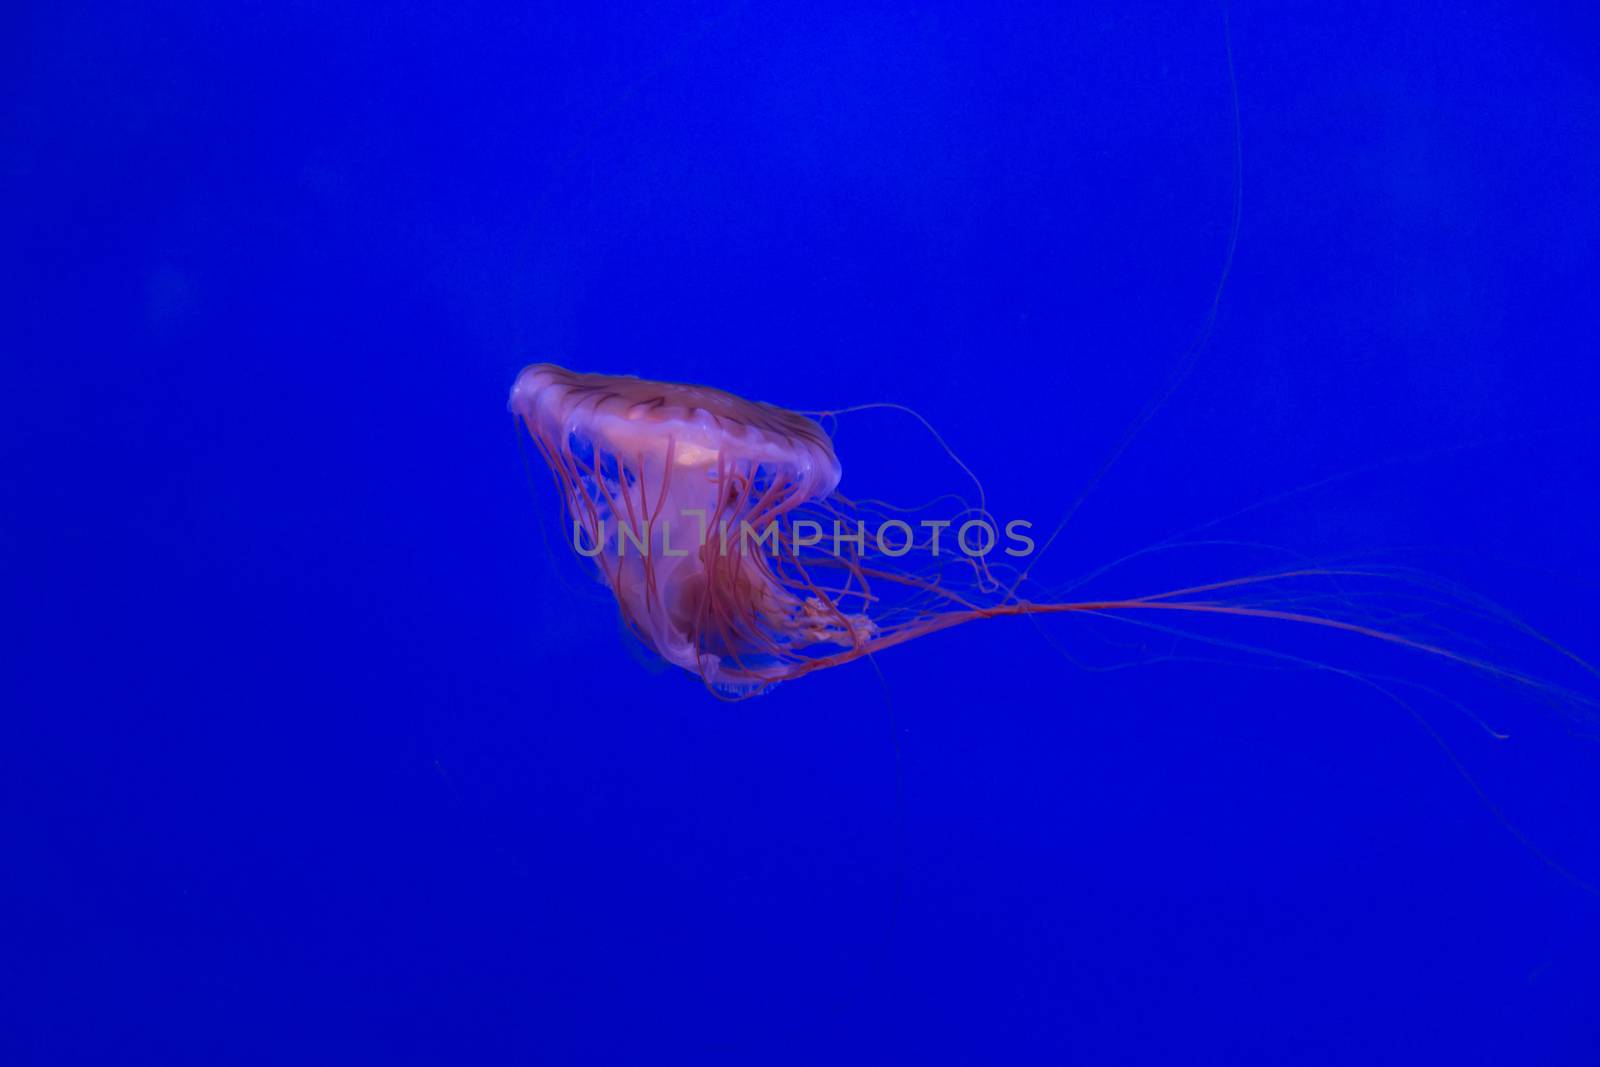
{"type": "Point", "coordinates": [683, 496]}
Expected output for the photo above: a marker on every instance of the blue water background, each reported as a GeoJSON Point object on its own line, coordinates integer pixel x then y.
{"type": "Point", "coordinates": [318, 753]}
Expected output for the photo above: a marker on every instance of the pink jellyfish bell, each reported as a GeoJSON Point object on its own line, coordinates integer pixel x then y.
{"type": "Point", "coordinates": [683, 496]}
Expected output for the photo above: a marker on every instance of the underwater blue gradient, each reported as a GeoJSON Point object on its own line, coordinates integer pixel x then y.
{"type": "Point", "coordinates": [323, 750]}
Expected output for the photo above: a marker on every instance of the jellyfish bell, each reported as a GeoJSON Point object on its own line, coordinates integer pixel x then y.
{"type": "Point", "coordinates": [682, 495]}
{"type": "Point", "coordinates": [689, 426]}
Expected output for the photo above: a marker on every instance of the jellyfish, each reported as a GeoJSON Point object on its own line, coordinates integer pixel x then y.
{"type": "Point", "coordinates": [718, 526]}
